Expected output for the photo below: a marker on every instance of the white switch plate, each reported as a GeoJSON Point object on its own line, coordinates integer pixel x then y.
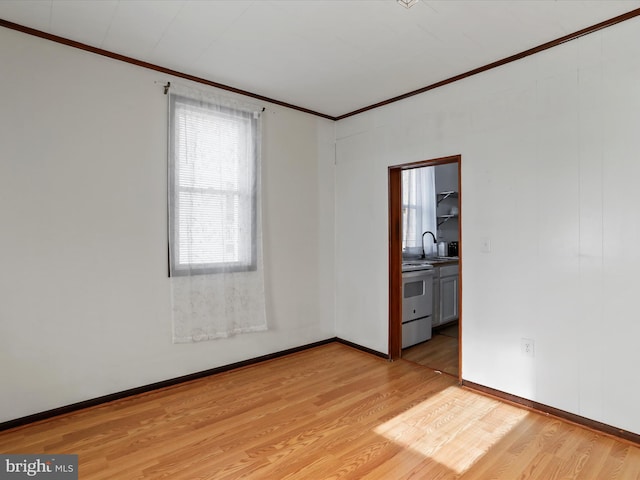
{"type": "Point", "coordinates": [485, 245]}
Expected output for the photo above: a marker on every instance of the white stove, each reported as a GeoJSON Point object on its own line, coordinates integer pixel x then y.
{"type": "Point", "coordinates": [417, 303]}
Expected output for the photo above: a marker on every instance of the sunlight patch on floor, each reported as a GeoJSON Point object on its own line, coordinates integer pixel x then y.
{"type": "Point", "coordinates": [433, 427]}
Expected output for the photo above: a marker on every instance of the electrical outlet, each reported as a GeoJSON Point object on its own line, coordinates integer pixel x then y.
{"type": "Point", "coordinates": [527, 346]}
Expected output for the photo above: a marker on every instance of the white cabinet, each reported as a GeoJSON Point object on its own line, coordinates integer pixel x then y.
{"type": "Point", "coordinates": [448, 298]}
{"type": "Point", "coordinates": [446, 295]}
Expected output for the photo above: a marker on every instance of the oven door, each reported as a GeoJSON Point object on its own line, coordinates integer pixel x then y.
{"type": "Point", "coordinates": [417, 294]}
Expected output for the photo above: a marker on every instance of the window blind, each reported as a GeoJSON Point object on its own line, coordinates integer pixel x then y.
{"type": "Point", "coordinates": [212, 181]}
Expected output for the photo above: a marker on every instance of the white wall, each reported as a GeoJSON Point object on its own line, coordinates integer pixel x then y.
{"type": "Point", "coordinates": [549, 149]}
{"type": "Point", "coordinates": [84, 299]}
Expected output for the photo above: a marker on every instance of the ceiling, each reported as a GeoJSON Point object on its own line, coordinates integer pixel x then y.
{"type": "Point", "coordinates": [328, 56]}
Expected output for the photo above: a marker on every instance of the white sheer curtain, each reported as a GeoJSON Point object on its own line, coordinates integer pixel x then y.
{"type": "Point", "coordinates": [215, 228]}
{"type": "Point", "coordinates": [418, 210]}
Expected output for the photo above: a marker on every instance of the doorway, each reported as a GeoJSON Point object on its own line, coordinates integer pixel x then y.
{"type": "Point", "coordinates": [453, 287]}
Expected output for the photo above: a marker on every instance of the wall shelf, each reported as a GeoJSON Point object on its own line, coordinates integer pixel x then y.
{"type": "Point", "coordinates": [445, 218]}
{"type": "Point", "coordinates": [444, 195]}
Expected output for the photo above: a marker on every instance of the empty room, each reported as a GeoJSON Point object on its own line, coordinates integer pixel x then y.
{"type": "Point", "coordinates": [319, 239]}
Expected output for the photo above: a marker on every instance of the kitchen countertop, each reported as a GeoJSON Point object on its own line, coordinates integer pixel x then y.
{"type": "Point", "coordinates": [440, 261]}
{"type": "Point", "coordinates": [412, 265]}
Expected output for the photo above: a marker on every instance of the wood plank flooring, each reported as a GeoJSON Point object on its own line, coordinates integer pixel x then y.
{"type": "Point", "coordinates": [331, 412]}
{"type": "Point", "coordinates": [439, 353]}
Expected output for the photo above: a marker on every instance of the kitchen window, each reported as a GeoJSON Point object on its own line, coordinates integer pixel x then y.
{"type": "Point", "coordinates": [418, 207]}
{"type": "Point", "coordinates": [212, 187]}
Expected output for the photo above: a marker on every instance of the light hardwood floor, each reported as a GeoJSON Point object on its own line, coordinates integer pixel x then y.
{"type": "Point", "coordinates": [439, 353]}
{"type": "Point", "coordinates": [331, 412]}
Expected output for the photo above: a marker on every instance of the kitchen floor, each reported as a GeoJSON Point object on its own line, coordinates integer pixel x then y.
{"type": "Point", "coordinates": [439, 353]}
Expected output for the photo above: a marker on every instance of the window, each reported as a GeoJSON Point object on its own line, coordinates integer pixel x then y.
{"type": "Point", "coordinates": [212, 188]}
{"type": "Point", "coordinates": [418, 207]}
{"type": "Point", "coordinates": [410, 210]}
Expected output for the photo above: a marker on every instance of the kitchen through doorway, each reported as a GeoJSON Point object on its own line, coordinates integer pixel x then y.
{"type": "Point", "coordinates": [425, 263]}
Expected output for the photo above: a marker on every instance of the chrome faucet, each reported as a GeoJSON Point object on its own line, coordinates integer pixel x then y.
{"type": "Point", "coordinates": [434, 241]}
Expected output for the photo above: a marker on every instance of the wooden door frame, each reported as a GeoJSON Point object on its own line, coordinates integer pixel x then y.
{"type": "Point", "coordinates": [395, 253]}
